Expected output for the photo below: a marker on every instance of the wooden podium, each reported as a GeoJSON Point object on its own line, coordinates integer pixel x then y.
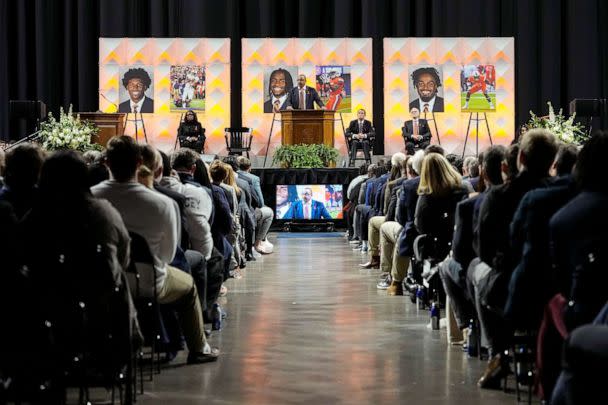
{"type": "Point", "coordinates": [109, 124]}
{"type": "Point", "coordinates": [307, 126]}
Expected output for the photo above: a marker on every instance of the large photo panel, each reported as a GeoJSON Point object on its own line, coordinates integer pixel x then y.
{"type": "Point", "coordinates": [460, 79]}
{"type": "Point", "coordinates": [163, 78]}
{"type": "Point", "coordinates": [339, 69]}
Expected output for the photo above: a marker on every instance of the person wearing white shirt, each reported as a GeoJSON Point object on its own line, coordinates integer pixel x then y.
{"type": "Point", "coordinates": [156, 218]}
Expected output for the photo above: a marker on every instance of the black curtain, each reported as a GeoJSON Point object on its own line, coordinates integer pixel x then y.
{"type": "Point", "coordinates": [49, 49]}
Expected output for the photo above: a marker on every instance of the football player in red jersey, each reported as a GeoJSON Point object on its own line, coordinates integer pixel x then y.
{"type": "Point", "coordinates": [336, 93]}
{"type": "Point", "coordinates": [478, 82]}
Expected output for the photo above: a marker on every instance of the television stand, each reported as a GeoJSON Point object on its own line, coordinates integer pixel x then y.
{"type": "Point", "coordinates": [309, 226]}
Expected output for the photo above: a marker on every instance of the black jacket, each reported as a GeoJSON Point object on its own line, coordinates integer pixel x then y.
{"type": "Point", "coordinates": [462, 243]}
{"type": "Point", "coordinates": [423, 129]}
{"type": "Point", "coordinates": [311, 97]}
{"type": "Point", "coordinates": [353, 128]}
{"type": "Point", "coordinates": [146, 107]}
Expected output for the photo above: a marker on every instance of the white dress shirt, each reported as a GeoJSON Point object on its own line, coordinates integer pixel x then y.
{"type": "Point", "coordinates": [280, 99]}
{"type": "Point", "coordinates": [431, 104]}
{"type": "Point", "coordinates": [139, 104]}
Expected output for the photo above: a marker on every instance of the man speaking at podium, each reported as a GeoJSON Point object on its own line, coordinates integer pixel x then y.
{"type": "Point", "coordinates": [303, 97]}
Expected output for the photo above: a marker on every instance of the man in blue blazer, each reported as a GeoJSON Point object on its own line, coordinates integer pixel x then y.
{"type": "Point", "coordinates": [307, 208]}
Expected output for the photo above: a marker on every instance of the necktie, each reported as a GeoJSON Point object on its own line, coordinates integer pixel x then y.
{"type": "Point", "coordinates": [306, 211]}
{"type": "Point", "coordinates": [416, 129]}
{"type": "Point", "coordinates": [360, 127]}
{"type": "Point", "coordinates": [301, 102]}
{"type": "Point", "coordinates": [426, 108]}
{"type": "Point", "coordinates": [277, 106]}
{"type": "Point", "coordinates": [135, 109]}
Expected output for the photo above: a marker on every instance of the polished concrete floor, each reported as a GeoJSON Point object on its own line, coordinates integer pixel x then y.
{"type": "Point", "coordinates": [306, 326]}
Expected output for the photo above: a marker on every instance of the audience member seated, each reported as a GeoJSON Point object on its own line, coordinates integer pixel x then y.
{"type": "Point", "coordinates": [470, 170]}
{"type": "Point", "coordinates": [416, 132]}
{"type": "Point", "coordinates": [397, 176]}
{"type": "Point", "coordinates": [156, 218]}
{"type": "Point", "coordinates": [371, 205]}
{"type": "Point", "coordinates": [263, 213]}
{"type": "Point", "coordinates": [490, 278]}
{"type": "Point", "coordinates": [393, 261]}
{"type": "Point", "coordinates": [21, 174]}
{"type": "Point", "coordinates": [352, 193]}
{"type": "Point", "coordinates": [453, 270]}
{"type": "Point", "coordinates": [190, 133]}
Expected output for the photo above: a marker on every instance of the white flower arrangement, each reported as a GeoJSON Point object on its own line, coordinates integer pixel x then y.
{"type": "Point", "coordinates": [565, 129]}
{"type": "Point", "coordinates": [68, 133]}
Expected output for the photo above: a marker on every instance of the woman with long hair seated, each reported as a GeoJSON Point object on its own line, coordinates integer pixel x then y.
{"type": "Point", "coordinates": [440, 189]}
{"type": "Point", "coordinates": [191, 133]}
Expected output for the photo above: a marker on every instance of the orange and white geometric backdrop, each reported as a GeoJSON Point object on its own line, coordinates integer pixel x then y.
{"type": "Point", "coordinates": [451, 54]}
{"type": "Point", "coordinates": [160, 54]}
{"type": "Point", "coordinates": [258, 54]}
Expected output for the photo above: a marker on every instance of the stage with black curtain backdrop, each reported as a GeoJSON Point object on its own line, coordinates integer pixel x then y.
{"type": "Point", "coordinates": [49, 49]}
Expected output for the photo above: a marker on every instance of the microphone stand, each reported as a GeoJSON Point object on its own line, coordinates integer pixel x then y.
{"type": "Point", "coordinates": [31, 137]}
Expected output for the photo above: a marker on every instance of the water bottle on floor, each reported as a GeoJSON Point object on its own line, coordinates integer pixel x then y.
{"type": "Point", "coordinates": [435, 316]}
{"type": "Point", "coordinates": [420, 297]}
{"type": "Point", "coordinates": [216, 317]}
{"type": "Point", "coordinates": [472, 349]}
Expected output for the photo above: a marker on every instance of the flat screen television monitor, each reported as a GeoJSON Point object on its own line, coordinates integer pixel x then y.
{"type": "Point", "coordinates": [309, 202]}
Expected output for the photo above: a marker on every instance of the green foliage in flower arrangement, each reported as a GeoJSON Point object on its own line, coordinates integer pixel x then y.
{"type": "Point", "coordinates": [565, 129]}
{"type": "Point", "coordinates": [68, 133]}
{"type": "Point", "coordinates": [301, 156]}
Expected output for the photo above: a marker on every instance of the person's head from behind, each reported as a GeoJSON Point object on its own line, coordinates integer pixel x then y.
{"type": "Point", "coordinates": [434, 149]}
{"type": "Point", "coordinates": [123, 157]}
{"type": "Point", "coordinates": [152, 159]}
{"type": "Point", "coordinates": [509, 167]}
{"type": "Point", "coordinates": [417, 163]}
{"type": "Point", "coordinates": [166, 163]}
{"type": "Point", "coordinates": [218, 171]}
{"type": "Point", "coordinates": [455, 161]}
{"type": "Point", "coordinates": [22, 167]}
{"type": "Point", "coordinates": [491, 166]}
{"type": "Point", "coordinates": [244, 163]}
{"type": "Point", "coordinates": [201, 174]}
{"type": "Point", "coordinates": [231, 161]}
{"type": "Point", "coordinates": [589, 170]}
{"type": "Point", "coordinates": [64, 178]}
{"type": "Point", "coordinates": [468, 161]}
{"type": "Point", "coordinates": [184, 160]}
{"type": "Point", "coordinates": [91, 157]}
{"type": "Point", "coordinates": [438, 177]}
{"type": "Point", "coordinates": [307, 194]}
{"type": "Point", "coordinates": [475, 165]}
{"type": "Point", "coordinates": [371, 170]}
{"type": "Point", "coordinates": [537, 150]}
{"type": "Point", "coordinates": [363, 169]}
{"type": "Point", "coordinates": [565, 159]}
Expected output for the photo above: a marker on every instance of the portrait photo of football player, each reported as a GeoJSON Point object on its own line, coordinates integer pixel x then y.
{"type": "Point", "coordinates": [426, 93]}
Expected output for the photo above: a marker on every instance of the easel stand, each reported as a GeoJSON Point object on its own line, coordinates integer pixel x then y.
{"type": "Point", "coordinates": [135, 120]}
{"type": "Point", "coordinates": [181, 119]}
{"type": "Point", "coordinates": [274, 114]}
{"type": "Point", "coordinates": [434, 124]}
{"type": "Point", "coordinates": [476, 119]}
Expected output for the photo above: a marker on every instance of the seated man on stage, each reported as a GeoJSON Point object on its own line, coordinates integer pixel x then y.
{"type": "Point", "coordinates": [416, 132]}
{"type": "Point", "coordinates": [303, 97]}
{"type": "Point", "coordinates": [359, 134]}
{"type": "Point", "coordinates": [307, 208]}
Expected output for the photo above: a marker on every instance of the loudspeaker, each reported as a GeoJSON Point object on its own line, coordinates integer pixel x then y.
{"type": "Point", "coordinates": [208, 158]}
{"type": "Point", "coordinates": [27, 109]}
{"type": "Point", "coordinates": [587, 107]}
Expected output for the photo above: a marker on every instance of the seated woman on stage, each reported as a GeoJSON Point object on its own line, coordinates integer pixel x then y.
{"type": "Point", "coordinates": [191, 133]}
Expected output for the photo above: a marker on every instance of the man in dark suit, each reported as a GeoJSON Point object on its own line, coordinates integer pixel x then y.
{"type": "Point", "coordinates": [279, 86]}
{"type": "Point", "coordinates": [303, 97]}
{"type": "Point", "coordinates": [416, 132]}
{"type": "Point", "coordinates": [307, 208]}
{"type": "Point", "coordinates": [427, 82]}
{"type": "Point", "coordinates": [137, 81]}
{"type": "Point", "coordinates": [359, 136]}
